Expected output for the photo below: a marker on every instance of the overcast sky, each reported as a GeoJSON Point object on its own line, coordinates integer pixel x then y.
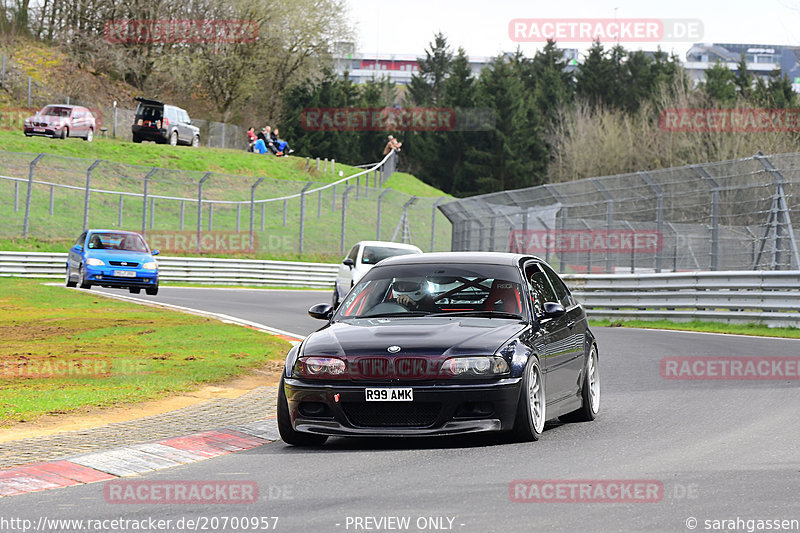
{"type": "Point", "coordinates": [481, 27]}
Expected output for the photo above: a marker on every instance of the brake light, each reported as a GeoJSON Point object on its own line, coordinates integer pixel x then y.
{"type": "Point", "coordinates": [166, 122]}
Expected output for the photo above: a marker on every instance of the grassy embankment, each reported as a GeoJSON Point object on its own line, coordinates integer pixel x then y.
{"type": "Point", "coordinates": [237, 170]}
{"type": "Point", "coordinates": [65, 350]}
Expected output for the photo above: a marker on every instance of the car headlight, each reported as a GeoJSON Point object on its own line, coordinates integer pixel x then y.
{"type": "Point", "coordinates": [482, 366]}
{"type": "Point", "coordinates": [319, 367]}
{"type": "Point", "coordinates": [150, 265]}
{"type": "Point", "coordinates": [93, 261]}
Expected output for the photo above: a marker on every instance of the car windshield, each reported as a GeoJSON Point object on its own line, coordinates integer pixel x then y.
{"type": "Point", "coordinates": [116, 241]}
{"type": "Point", "coordinates": [53, 111]}
{"type": "Point", "coordinates": [373, 254]}
{"type": "Point", "coordinates": [488, 291]}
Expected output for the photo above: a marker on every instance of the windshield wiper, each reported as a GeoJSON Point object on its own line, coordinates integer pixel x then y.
{"type": "Point", "coordinates": [394, 314]}
{"type": "Point", "coordinates": [487, 314]}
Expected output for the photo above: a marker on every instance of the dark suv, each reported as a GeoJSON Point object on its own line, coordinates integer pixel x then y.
{"type": "Point", "coordinates": [161, 123]}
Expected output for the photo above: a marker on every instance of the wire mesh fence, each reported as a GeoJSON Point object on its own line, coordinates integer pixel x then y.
{"type": "Point", "coordinates": [731, 215]}
{"type": "Point", "coordinates": [55, 198]}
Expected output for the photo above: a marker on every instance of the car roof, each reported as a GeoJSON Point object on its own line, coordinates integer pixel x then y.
{"type": "Point", "coordinates": [121, 231]}
{"type": "Point", "coordinates": [148, 101]}
{"type": "Point", "coordinates": [388, 244]}
{"type": "Point", "coordinates": [68, 106]}
{"type": "Point", "coordinates": [498, 258]}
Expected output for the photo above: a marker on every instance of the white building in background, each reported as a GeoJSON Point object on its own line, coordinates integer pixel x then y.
{"type": "Point", "coordinates": [399, 68]}
{"type": "Point", "coordinates": [762, 59]}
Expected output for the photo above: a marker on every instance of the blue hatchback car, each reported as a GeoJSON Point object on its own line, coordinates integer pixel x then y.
{"type": "Point", "coordinates": [112, 258]}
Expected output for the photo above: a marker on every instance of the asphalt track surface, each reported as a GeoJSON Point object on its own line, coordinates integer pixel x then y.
{"type": "Point", "coordinates": [722, 450]}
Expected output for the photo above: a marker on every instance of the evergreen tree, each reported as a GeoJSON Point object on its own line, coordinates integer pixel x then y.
{"type": "Point", "coordinates": [780, 89]}
{"type": "Point", "coordinates": [555, 85]}
{"type": "Point", "coordinates": [743, 79]}
{"type": "Point", "coordinates": [427, 87]}
{"type": "Point", "coordinates": [720, 85]}
{"type": "Point", "coordinates": [512, 154]}
{"type": "Point", "coordinates": [593, 78]}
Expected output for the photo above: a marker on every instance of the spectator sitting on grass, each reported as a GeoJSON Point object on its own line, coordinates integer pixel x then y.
{"type": "Point", "coordinates": [266, 136]}
{"type": "Point", "coordinates": [281, 145]}
{"type": "Point", "coordinates": [260, 147]}
{"type": "Point", "coordinates": [251, 138]}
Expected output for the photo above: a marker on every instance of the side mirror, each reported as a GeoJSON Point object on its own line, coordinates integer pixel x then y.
{"type": "Point", "coordinates": [155, 252]}
{"type": "Point", "coordinates": [349, 262]}
{"type": "Point", "coordinates": [553, 310]}
{"type": "Point", "coordinates": [78, 248]}
{"type": "Point", "coordinates": [321, 311]}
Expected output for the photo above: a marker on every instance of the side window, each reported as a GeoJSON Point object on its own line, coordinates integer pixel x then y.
{"type": "Point", "coordinates": [562, 292]}
{"type": "Point", "coordinates": [353, 253]}
{"type": "Point", "coordinates": [539, 288]}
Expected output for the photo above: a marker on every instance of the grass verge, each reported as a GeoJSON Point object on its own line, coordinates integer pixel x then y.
{"type": "Point", "coordinates": [64, 350]}
{"type": "Point", "coordinates": [758, 330]}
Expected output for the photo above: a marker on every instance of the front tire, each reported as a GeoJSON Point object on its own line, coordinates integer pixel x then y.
{"type": "Point", "coordinates": [532, 405]}
{"type": "Point", "coordinates": [196, 141]}
{"type": "Point", "coordinates": [335, 299]}
{"type": "Point", "coordinates": [590, 393]}
{"type": "Point", "coordinates": [69, 282]}
{"type": "Point", "coordinates": [64, 133]}
{"type": "Point", "coordinates": [82, 283]}
{"type": "Point", "coordinates": [151, 291]}
{"type": "Point", "coordinates": [134, 290]}
{"type": "Point", "coordinates": [288, 434]}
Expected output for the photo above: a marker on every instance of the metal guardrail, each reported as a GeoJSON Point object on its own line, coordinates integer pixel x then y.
{"type": "Point", "coordinates": [768, 297]}
{"type": "Point", "coordinates": [188, 270]}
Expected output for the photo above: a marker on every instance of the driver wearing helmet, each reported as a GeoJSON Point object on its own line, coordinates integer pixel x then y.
{"type": "Point", "coordinates": [412, 293]}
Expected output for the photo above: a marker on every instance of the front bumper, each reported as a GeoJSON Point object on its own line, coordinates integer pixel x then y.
{"type": "Point", "coordinates": [43, 131]}
{"type": "Point", "coordinates": [105, 276]}
{"type": "Point", "coordinates": [437, 409]}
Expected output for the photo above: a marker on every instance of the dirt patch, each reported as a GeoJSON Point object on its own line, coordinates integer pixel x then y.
{"type": "Point", "coordinates": [268, 375]}
{"type": "Point", "coordinates": [36, 331]}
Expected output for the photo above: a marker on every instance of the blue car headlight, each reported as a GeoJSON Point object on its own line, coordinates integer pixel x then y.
{"type": "Point", "coordinates": [93, 261]}
{"type": "Point", "coordinates": [150, 265]}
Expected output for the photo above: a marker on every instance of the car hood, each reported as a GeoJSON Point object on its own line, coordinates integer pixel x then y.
{"type": "Point", "coordinates": [428, 336]}
{"type": "Point", "coordinates": [120, 255]}
{"type": "Point", "coordinates": [48, 119]}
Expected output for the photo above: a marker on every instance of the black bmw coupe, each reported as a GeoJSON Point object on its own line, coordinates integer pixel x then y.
{"type": "Point", "coordinates": [443, 344]}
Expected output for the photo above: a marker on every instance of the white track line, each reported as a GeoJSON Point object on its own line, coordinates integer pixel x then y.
{"type": "Point", "coordinates": [219, 316]}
